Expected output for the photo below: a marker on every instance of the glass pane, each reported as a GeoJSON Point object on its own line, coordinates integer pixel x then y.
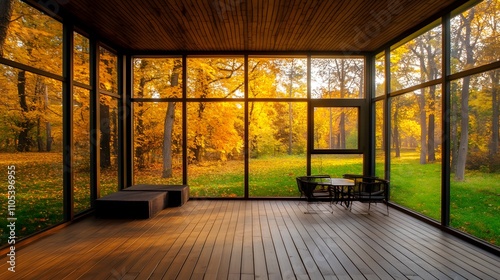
{"type": "Point", "coordinates": [108, 70]}
{"type": "Point", "coordinates": [33, 39]}
{"type": "Point", "coordinates": [417, 61]}
{"type": "Point", "coordinates": [277, 77]}
{"type": "Point", "coordinates": [81, 59]}
{"type": "Point", "coordinates": [337, 78]}
{"type": "Point", "coordinates": [380, 75]}
{"type": "Point", "coordinates": [415, 146]}
{"type": "Point", "coordinates": [336, 128]}
{"type": "Point", "coordinates": [216, 78]}
{"type": "Point", "coordinates": [475, 36]}
{"type": "Point", "coordinates": [475, 157]}
{"type": "Point", "coordinates": [215, 149]}
{"type": "Point", "coordinates": [158, 77]}
{"type": "Point", "coordinates": [336, 165]}
{"type": "Point", "coordinates": [379, 140]}
{"type": "Point", "coordinates": [31, 131]}
{"type": "Point", "coordinates": [81, 142]}
{"type": "Point", "coordinates": [277, 144]}
{"type": "Point", "coordinates": [157, 143]}
{"type": "Point", "coordinates": [109, 144]}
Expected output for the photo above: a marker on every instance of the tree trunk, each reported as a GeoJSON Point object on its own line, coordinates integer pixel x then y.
{"type": "Point", "coordinates": [423, 127]}
{"type": "Point", "coordinates": [430, 143]}
{"type": "Point", "coordinates": [495, 113]}
{"type": "Point", "coordinates": [395, 131]}
{"type": "Point", "coordinates": [464, 111]}
{"type": "Point", "coordinates": [5, 14]}
{"type": "Point", "coordinates": [140, 149]}
{"type": "Point", "coordinates": [342, 131]}
{"type": "Point", "coordinates": [167, 140]}
{"type": "Point", "coordinates": [23, 141]}
{"type": "Point", "coordinates": [105, 136]}
{"type": "Point", "coordinates": [168, 127]}
{"type": "Point", "coordinates": [453, 128]}
{"type": "Point", "coordinates": [464, 132]}
{"type": "Point", "coordinates": [431, 129]}
{"type": "Point", "coordinates": [48, 126]}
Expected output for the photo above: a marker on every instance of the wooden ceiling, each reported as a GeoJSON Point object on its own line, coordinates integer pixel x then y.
{"type": "Point", "coordinates": [251, 25]}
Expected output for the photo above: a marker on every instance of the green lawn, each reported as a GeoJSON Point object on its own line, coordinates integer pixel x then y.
{"type": "Point", "coordinates": [475, 203]}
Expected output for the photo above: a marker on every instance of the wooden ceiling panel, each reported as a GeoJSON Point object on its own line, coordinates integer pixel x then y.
{"type": "Point", "coordinates": [252, 25]}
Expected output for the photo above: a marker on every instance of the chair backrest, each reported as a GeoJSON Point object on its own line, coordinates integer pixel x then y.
{"type": "Point", "coordinates": [358, 179]}
{"type": "Point", "coordinates": [377, 189]}
{"type": "Point", "coordinates": [306, 186]}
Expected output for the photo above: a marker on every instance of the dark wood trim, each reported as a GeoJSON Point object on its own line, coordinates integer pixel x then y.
{"type": "Point", "coordinates": [250, 54]}
{"type": "Point", "coordinates": [67, 107]}
{"type": "Point", "coordinates": [81, 85]}
{"type": "Point", "coordinates": [184, 123]}
{"type": "Point", "coordinates": [445, 124]}
{"type": "Point", "coordinates": [31, 69]}
{"type": "Point", "coordinates": [475, 71]}
{"type": "Point", "coordinates": [309, 120]}
{"type": "Point", "coordinates": [129, 118]}
{"type": "Point", "coordinates": [122, 122]}
{"type": "Point", "coordinates": [387, 116]}
{"type": "Point", "coordinates": [95, 154]}
{"type": "Point", "coordinates": [367, 133]}
{"type": "Point", "coordinates": [246, 183]}
{"type": "Point", "coordinates": [417, 87]}
{"type": "Point", "coordinates": [109, 93]}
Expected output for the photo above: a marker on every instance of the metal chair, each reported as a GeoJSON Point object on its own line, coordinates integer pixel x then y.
{"type": "Point", "coordinates": [313, 191]}
{"type": "Point", "coordinates": [376, 190]}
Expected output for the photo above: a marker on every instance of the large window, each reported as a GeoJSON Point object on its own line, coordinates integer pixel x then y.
{"type": "Point", "coordinates": [31, 121]}
{"type": "Point", "coordinates": [109, 118]}
{"type": "Point", "coordinates": [215, 127]}
{"type": "Point", "coordinates": [277, 140]}
{"type": "Point", "coordinates": [415, 146]}
{"type": "Point", "coordinates": [417, 61]}
{"type": "Point", "coordinates": [277, 146]}
{"type": "Point", "coordinates": [474, 114]}
{"type": "Point", "coordinates": [336, 128]}
{"type": "Point", "coordinates": [274, 77]}
{"type": "Point", "coordinates": [380, 138]}
{"type": "Point", "coordinates": [31, 143]}
{"type": "Point", "coordinates": [380, 74]}
{"type": "Point", "coordinates": [81, 123]}
{"type": "Point", "coordinates": [337, 78]}
{"type": "Point", "coordinates": [34, 39]}
{"type": "Point", "coordinates": [475, 157]}
{"type": "Point", "coordinates": [416, 106]}
{"type": "Point", "coordinates": [475, 36]}
{"type": "Point", "coordinates": [81, 146]}
{"type": "Point", "coordinates": [215, 78]}
{"type": "Point", "coordinates": [158, 121]}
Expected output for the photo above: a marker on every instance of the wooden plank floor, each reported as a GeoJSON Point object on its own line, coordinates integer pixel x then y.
{"type": "Point", "coordinates": [254, 239]}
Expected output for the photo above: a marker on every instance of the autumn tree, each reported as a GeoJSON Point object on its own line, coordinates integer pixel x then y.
{"type": "Point", "coordinates": [427, 48]}
{"type": "Point", "coordinates": [214, 78]}
{"type": "Point", "coordinates": [29, 37]}
{"type": "Point", "coordinates": [338, 78]}
{"type": "Point", "coordinates": [5, 15]}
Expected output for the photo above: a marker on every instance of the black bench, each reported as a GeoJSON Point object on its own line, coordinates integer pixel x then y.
{"type": "Point", "coordinates": [130, 205]}
{"type": "Point", "coordinates": [177, 194]}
